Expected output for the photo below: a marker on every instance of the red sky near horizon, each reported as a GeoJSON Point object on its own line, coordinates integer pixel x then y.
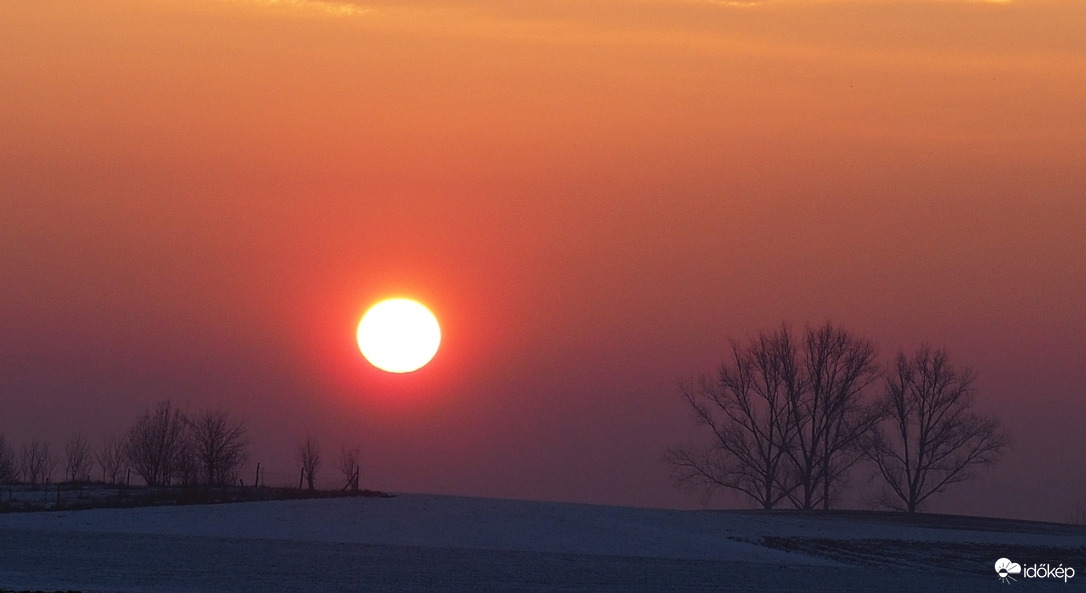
{"type": "Point", "coordinates": [199, 199]}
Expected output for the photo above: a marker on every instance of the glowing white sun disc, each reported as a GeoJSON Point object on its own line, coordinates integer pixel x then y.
{"type": "Point", "coordinates": [399, 335]}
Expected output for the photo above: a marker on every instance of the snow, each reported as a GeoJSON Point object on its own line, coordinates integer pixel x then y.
{"type": "Point", "coordinates": [431, 521]}
{"type": "Point", "coordinates": [443, 543]}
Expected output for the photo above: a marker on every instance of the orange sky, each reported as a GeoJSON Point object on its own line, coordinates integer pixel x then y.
{"type": "Point", "coordinates": [199, 198]}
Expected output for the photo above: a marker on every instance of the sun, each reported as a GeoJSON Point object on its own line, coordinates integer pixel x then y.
{"type": "Point", "coordinates": [399, 335]}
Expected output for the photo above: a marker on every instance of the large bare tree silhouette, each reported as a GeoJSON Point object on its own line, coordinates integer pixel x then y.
{"type": "Point", "coordinates": [745, 407]}
{"type": "Point", "coordinates": [786, 416]}
{"type": "Point", "coordinates": [155, 445]}
{"type": "Point", "coordinates": [220, 446]}
{"type": "Point", "coordinates": [929, 438]}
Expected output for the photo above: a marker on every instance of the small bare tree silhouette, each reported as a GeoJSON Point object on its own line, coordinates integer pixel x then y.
{"type": "Point", "coordinates": [309, 457]}
{"type": "Point", "coordinates": [1078, 511]}
{"type": "Point", "coordinates": [77, 459]}
{"type": "Point", "coordinates": [111, 459]}
{"type": "Point", "coordinates": [37, 463]}
{"type": "Point", "coordinates": [9, 470]}
{"type": "Point", "coordinates": [349, 463]}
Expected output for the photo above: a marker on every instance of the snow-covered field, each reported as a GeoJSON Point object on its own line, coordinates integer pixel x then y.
{"type": "Point", "coordinates": [442, 543]}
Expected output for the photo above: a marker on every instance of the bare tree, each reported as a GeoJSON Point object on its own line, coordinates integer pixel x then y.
{"type": "Point", "coordinates": [9, 470]}
{"type": "Point", "coordinates": [220, 446]}
{"type": "Point", "coordinates": [745, 408]}
{"type": "Point", "coordinates": [349, 463]}
{"type": "Point", "coordinates": [111, 459]}
{"type": "Point", "coordinates": [37, 463]}
{"type": "Point", "coordinates": [309, 457]}
{"type": "Point", "coordinates": [827, 412]}
{"type": "Point", "coordinates": [929, 438]}
{"type": "Point", "coordinates": [188, 472]}
{"type": "Point", "coordinates": [155, 444]}
{"type": "Point", "coordinates": [77, 459]}
{"type": "Point", "coordinates": [1078, 512]}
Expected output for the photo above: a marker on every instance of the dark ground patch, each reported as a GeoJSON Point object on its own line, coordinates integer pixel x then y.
{"type": "Point", "coordinates": [944, 557]}
{"type": "Point", "coordinates": [75, 497]}
{"type": "Point", "coordinates": [932, 521]}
